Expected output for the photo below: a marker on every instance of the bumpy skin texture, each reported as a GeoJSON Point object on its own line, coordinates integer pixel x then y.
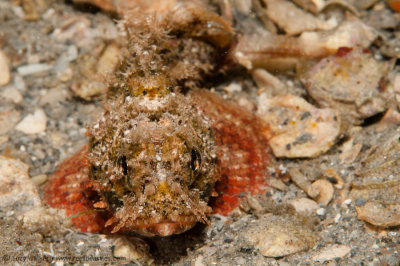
{"type": "Point", "coordinates": [241, 146]}
{"type": "Point", "coordinates": [153, 161]}
{"type": "Point", "coordinates": [151, 164]}
{"type": "Point", "coordinates": [152, 155]}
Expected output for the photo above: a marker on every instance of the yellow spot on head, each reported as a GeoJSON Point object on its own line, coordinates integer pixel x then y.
{"type": "Point", "coordinates": [163, 188]}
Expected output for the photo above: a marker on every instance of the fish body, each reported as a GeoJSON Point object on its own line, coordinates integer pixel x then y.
{"type": "Point", "coordinates": [155, 155]}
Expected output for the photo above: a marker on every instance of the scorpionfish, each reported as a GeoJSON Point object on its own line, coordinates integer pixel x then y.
{"type": "Point", "coordinates": [163, 150]}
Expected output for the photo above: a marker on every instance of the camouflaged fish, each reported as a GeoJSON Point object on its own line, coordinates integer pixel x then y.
{"type": "Point", "coordinates": [154, 157]}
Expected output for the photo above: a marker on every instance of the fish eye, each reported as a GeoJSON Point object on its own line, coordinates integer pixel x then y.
{"type": "Point", "coordinates": [124, 165]}
{"type": "Point", "coordinates": [195, 160]}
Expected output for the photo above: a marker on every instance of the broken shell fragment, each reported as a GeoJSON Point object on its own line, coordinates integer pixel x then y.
{"type": "Point", "coordinates": [279, 53]}
{"type": "Point", "coordinates": [299, 179]}
{"type": "Point", "coordinates": [334, 178]}
{"type": "Point", "coordinates": [322, 191]}
{"type": "Point", "coordinates": [267, 82]}
{"type": "Point", "coordinates": [314, 6]}
{"type": "Point", "coordinates": [364, 4]}
{"type": "Point", "coordinates": [277, 236]}
{"type": "Point", "coordinates": [391, 118]}
{"type": "Point", "coordinates": [332, 252]}
{"type": "Point", "coordinates": [349, 151]}
{"type": "Point", "coordinates": [294, 20]}
{"type": "Point", "coordinates": [299, 129]}
{"type": "Point", "coordinates": [33, 123]}
{"type": "Point", "coordinates": [352, 81]}
{"type": "Point", "coordinates": [379, 214]}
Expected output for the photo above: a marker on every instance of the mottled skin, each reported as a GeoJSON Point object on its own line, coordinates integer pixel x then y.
{"type": "Point", "coordinates": [154, 156]}
{"type": "Point", "coordinates": [153, 161]}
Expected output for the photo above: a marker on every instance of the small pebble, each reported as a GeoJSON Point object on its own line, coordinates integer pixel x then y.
{"type": "Point", "coordinates": [304, 206]}
{"type": "Point", "coordinates": [5, 75]}
{"type": "Point", "coordinates": [33, 69]}
{"type": "Point", "coordinates": [347, 202]}
{"type": "Point", "coordinates": [266, 80]}
{"type": "Point", "coordinates": [254, 204]}
{"type": "Point", "coordinates": [39, 179]}
{"type": "Point", "coordinates": [132, 248]}
{"type": "Point", "coordinates": [278, 184]}
{"type": "Point", "coordinates": [199, 261]}
{"type": "Point", "coordinates": [12, 94]}
{"type": "Point", "coordinates": [321, 211]}
{"type": "Point", "coordinates": [299, 179]}
{"type": "Point", "coordinates": [332, 252]}
{"type": "Point", "coordinates": [233, 87]}
{"type": "Point", "coordinates": [337, 217]}
{"type": "Point", "coordinates": [33, 123]}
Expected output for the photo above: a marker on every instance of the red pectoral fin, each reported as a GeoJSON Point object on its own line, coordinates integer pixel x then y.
{"type": "Point", "coordinates": [243, 150]}
{"type": "Point", "coordinates": [69, 188]}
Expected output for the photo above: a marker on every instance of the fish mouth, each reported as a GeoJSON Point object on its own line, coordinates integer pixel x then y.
{"type": "Point", "coordinates": [162, 213]}
{"type": "Point", "coordinates": [148, 226]}
{"type": "Point", "coordinates": [165, 227]}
